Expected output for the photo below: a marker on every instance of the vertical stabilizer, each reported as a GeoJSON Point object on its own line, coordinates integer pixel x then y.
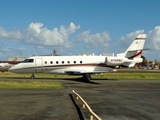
{"type": "Point", "coordinates": [135, 49]}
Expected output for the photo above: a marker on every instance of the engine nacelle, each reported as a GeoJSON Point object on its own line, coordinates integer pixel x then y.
{"type": "Point", "coordinates": [137, 60]}
{"type": "Point", "coordinates": [116, 60]}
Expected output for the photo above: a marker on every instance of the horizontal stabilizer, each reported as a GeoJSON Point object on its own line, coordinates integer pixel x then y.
{"type": "Point", "coordinates": [141, 49]}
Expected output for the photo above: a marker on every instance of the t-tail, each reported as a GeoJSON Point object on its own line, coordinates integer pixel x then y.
{"type": "Point", "coordinates": [132, 55]}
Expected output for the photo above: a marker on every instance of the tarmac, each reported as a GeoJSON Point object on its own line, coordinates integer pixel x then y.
{"type": "Point", "coordinates": [109, 99]}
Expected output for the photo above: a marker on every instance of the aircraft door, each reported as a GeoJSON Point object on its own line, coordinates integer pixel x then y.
{"type": "Point", "coordinates": [39, 65]}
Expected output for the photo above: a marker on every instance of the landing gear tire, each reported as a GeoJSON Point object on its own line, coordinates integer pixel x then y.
{"type": "Point", "coordinates": [32, 77]}
{"type": "Point", "coordinates": [87, 77]}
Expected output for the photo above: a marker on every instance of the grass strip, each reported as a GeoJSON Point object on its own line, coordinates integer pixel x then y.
{"type": "Point", "coordinates": [30, 85]}
{"type": "Point", "coordinates": [110, 75]}
{"type": "Point", "coordinates": [129, 76]}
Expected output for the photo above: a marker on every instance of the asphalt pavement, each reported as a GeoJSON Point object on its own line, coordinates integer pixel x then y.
{"type": "Point", "coordinates": [109, 99]}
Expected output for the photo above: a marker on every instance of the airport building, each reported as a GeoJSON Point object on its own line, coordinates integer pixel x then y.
{"type": "Point", "coordinates": [15, 59]}
{"type": "Point", "coordinates": [92, 54]}
{"type": "Point", "coordinates": [5, 65]}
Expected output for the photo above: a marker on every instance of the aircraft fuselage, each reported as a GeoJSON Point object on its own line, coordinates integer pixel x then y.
{"type": "Point", "coordinates": [63, 65]}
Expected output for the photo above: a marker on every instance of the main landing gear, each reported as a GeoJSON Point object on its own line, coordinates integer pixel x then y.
{"type": "Point", "coordinates": [32, 76]}
{"type": "Point", "coordinates": [87, 77]}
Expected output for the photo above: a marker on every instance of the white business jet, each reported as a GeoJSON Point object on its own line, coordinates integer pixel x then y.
{"type": "Point", "coordinates": [4, 67]}
{"type": "Point", "coordinates": [82, 65]}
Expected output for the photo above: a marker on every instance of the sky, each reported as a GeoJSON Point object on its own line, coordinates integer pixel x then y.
{"type": "Point", "coordinates": [37, 27]}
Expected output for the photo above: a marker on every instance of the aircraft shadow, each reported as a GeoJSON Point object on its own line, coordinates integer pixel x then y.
{"type": "Point", "coordinates": [72, 79]}
{"type": "Point", "coordinates": [80, 79]}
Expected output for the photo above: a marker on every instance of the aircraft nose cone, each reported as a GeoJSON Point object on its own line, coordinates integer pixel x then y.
{"type": "Point", "coordinates": [13, 69]}
{"type": "Point", "coordinates": [10, 69]}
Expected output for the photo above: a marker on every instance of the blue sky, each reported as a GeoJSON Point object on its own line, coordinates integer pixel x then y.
{"type": "Point", "coordinates": [36, 27]}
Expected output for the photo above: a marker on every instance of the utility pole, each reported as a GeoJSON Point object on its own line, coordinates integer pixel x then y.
{"type": "Point", "coordinates": [54, 52]}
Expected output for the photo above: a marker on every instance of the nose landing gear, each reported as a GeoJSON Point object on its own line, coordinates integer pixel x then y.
{"type": "Point", "coordinates": [32, 76]}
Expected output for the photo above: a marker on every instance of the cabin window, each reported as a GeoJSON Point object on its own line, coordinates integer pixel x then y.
{"type": "Point", "coordinates": [62, 62]}
{"type": "Point", "coordinates": [45, 62]}
{"type": "Point", "coordinates": [56, 62]}
{"type": "Point", "coordinates": [51, 62]}
{"type": "Point", "coordinates": [74, 62]}
{"type": "Point", "coordinates": [81, 62]}
{"type": "Point", "coordinates": [68, 62]}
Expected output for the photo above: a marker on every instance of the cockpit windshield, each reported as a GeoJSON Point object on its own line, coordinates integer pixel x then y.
{"type": "Point", "coordinates": [28, 61]}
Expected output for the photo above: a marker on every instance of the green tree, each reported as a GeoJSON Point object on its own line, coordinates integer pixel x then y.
{"type": "Point", "coordinates": [144, 62]}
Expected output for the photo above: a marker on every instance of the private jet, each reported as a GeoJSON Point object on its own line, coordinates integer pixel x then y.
{"type": "Point", "coordinates": [82, 65]}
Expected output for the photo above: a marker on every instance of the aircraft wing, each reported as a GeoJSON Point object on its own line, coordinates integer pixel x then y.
{"type": "Point", "coordinates": [79, 72]}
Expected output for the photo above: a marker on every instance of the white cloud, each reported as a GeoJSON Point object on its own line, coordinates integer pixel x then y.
{"type": "Point", "coordinates": [40, 47]}
{"type": "Point", "coordinates": [94, 40]}
{"type": "Point", "coordinates": [14, 34]}
{"type": "Point", "coordinates": [131, 36]}
{"type": "Point", "coordinates": [58, 38]}
{"type": "Point", "coordinates": [37, 34]}
{"type": "Point", "coordinates": [4, 51]}
{"type": "Point", "coordinates": [40, 36]}
{"type": "Point", "coordinates": [21, 48]}
{"type": "Point", "coordinates": [153, 38]}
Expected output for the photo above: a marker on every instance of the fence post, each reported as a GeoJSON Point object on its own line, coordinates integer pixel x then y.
{"type": "Point", "coordinates": [91, 117]}
{"type": "Point", "coordinates": [86, 105]}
